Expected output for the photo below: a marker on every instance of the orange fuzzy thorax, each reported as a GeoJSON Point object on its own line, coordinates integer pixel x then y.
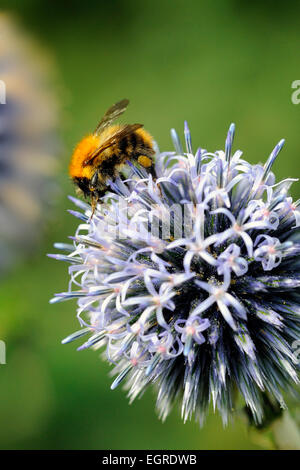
{"type": "Point", "coordinates": [89, 144]}
{"type": "Point", "coordinates": [85, 147]}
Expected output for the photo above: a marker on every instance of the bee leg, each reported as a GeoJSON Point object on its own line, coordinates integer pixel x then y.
{"type": "Point", "coordinates": [147, 163]}
{"type": "Point", "coordinates": [94, 201]}
{"type": "Point", "coordinates": [152, 171]}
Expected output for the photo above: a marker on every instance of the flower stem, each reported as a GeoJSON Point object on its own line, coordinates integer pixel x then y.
{"type": "Point", "coordinates": [285, 433]}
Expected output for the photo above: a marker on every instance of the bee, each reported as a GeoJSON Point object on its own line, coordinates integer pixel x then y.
{"type": "Point", "coordinates": [99, 157]}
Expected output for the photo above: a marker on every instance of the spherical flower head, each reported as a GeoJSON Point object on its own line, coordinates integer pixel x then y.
{"type": "Point", "coordinates": [190, 281]}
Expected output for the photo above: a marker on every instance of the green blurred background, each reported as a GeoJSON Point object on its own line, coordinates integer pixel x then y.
{"type": "Point", "coordinates": [211, 63]}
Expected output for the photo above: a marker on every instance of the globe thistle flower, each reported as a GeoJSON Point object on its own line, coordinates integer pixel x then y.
{"type": "Point", "coordinates": [190, 281]}
{"type": "Point", "coordinates": [28, 143]}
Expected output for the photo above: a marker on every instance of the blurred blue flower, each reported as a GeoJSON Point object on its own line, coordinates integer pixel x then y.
{"type": "Point", "coordinates": [191, 281]}
{"type": "Point", "coordinates": [28, 141]}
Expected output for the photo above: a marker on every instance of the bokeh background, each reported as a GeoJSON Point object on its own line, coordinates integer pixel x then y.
{"type": "Point", "coordinates": [211, 63]}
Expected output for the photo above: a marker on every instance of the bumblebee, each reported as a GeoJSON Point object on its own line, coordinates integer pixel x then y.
{"type": "Point", "coordinates": [100, 156]}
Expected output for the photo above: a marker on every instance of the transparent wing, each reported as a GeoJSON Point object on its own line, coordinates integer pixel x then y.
{"type": "Point", "coordinates": [125, 130]}
{"type": "Point", "coordinates": [111, 114]}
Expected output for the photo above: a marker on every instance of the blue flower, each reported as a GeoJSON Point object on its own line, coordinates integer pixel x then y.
{"type": "Point", "coordinates": [190, 281]}
{"type": "Point", "coordinates": [28, 142]}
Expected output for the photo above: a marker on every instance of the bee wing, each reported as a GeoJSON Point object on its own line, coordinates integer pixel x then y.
{"type": "Point", "coordinates": [127, 129]}
{"type": "Point", "coordinates": [111, 114]}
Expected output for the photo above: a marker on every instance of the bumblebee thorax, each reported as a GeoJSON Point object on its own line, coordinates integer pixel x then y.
{"type": "Point", "coordinates": [85, 147]}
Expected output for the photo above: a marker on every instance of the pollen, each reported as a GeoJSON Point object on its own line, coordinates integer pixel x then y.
{"type": "Point", "coordinates": [146, 162]}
